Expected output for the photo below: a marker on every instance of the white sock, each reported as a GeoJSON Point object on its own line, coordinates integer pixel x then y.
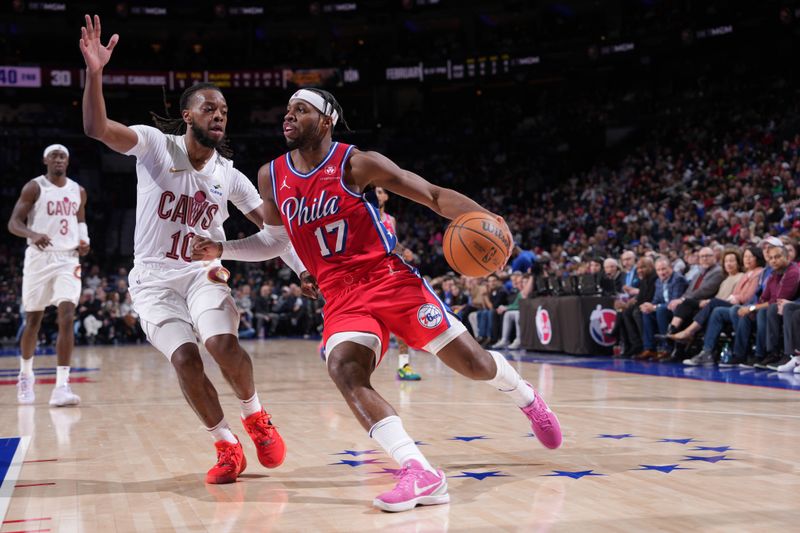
{"type": "Point", "coordinates": [402, 360]}
{"type": "Point", "coordinates": [389, 433]}
{"type": "Point", "coordinates": [251, 406]}
{"type": "Point", "coordinates": [508, 381]}
{"type": "Point", "coordinates": [222, 431]}
{"type": "Point", "coordinates": [26, 366]}
{"type": "Point", "coordinates": [62, 375]}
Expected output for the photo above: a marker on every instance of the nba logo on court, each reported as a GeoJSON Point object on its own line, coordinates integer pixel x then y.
{"type": "Point", "coordinates": [601, 324]}
{"type": "Point", "coordinates": [544, 328]}
{"type": "Point", "coordinates": [429, 316]}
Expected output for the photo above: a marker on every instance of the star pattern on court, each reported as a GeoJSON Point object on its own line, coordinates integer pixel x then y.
{"type": "Point", "coordinates": [356, 453]}
{"type": "Point", "coordinates": [679, 441]}
{"type": "Point", "coordinates": [662, 468]}
{"type": "Point", "coordinates": [480, 476]}
{"type": "Point", "coordinates": [616, 437]}
{"type": "Point", "coordinates": [355, 463]}
{"type": "Point", "coordinates": [718, 449]}
{"type": "Point", "coordinates": [470, 439]}
{"type": "Point", "coordinates": [709, 459]}
{"type": "Point", "coordinates": [574, 475]}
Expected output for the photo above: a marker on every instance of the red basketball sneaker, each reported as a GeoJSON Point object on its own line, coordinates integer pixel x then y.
{"type": "Point", "coordinates": [230, 463]}
{"type": "Point", "coordinates": [270, 446]}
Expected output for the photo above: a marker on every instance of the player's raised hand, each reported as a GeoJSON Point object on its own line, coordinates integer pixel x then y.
{"type": "Point", "coordinates": [205, 249]}
{"type": "Point", "coordinates": [94, 53]}
{"type": "Point", "coordinates": [41, 241]}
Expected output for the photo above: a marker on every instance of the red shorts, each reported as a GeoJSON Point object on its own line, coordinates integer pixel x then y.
{"type": "Point", "coordinates": [391, 297]}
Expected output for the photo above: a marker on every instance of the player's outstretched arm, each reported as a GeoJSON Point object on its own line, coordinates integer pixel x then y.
{"type": "Point", "coordinates": [96, 123]}
{"type": "Point", "coordinates": [372, 168]}
{"type": "Point", "coordinates": [17, 223]}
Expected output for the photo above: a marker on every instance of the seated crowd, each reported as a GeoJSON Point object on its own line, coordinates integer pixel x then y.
{"type": "Point", "coordinates": [735, 306]}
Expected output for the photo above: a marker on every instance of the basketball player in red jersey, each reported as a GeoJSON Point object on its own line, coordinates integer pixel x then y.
{"type": "Point", "coordinates": [404, 370]}
{"type": "Point", "coordinates": [316, 191]}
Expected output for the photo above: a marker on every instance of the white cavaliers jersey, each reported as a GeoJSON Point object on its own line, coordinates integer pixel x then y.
{"type": "Point", "coordinates": [55, 214]}
{"type": "Point", "coordinates": [175, 202]}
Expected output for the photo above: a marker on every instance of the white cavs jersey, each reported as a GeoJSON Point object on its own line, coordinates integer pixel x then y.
{"type": "Point", "coordinates": [175, 202]}
{"type": "Point", "coordinates": [55, 214]}
{"type": "Point", "coordinates": [53, 275]}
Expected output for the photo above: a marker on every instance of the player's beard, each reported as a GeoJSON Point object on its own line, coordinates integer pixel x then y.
{"type": "Point", "coordinates": [203, 138]}
{"type": "Point", "coordinates": [305, 140]}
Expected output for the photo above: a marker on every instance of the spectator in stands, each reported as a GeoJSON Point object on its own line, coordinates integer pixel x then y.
{"type": "Point", "coordinates": [612, 279]}
{"type": "Point", "coordinates": [630, 284]}
{"type": "Point", "coordinates": [783, 283]}
{"type": "Point", "coordinates": [743, 293]}
{"type": "Point", "coordinates": [732, 273]}
{"type": "Point", "coordinates": [703, 287]}
{"type": "Point", "coordinates": [510, 313]}
{"type": "Point", "coordinates": [266, 320]}
{"type": "Point", "coordinates": [656, 315]}
{"type": "Point", "coordinates": [693, 267]}
{"type": "Point", "coordinates": [629, 316]}
{"type": "Point", "coordinates": [522, 260]}
{"type": "Point", "coordinates": [498, 296]}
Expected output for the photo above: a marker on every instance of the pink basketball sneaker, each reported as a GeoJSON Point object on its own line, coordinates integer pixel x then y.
{"type": "Point", "coordinates": [544, 422]}
{"type": "Point", "coordinates": [417, 486]}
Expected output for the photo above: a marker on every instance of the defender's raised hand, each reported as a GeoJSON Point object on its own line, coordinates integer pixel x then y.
{"type": "Point", "coordinates": [94, 53]}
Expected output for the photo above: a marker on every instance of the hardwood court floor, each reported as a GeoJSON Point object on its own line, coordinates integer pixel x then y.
{"type": "Point", "coordinates": [640, 453]}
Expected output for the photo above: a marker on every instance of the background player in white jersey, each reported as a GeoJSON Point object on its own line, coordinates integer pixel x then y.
{"type": "Point", "coordinates": [184, 185]}
{"type": "Point", "coordinates": [404, 370]}
{"type": "Point", "coordinates": [51, 214]}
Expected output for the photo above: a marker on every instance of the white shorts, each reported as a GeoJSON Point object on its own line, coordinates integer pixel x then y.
{"type": "Point", "coordinates": [173, 304]}
{"type": "Point", "coordinates": [49, 278]}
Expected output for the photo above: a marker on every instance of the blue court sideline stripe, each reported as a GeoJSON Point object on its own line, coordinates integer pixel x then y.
{"type": "Point", "coordinates": [12, 453]}
{"type": "Point", "coordinates": [8, 447]}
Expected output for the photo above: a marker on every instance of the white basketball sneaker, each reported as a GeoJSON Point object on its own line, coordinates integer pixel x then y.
{"type": "Point", "coordinates": [63, 396]}
{"type": "Point", "coordinates": [790, 366]}
{"type": "Point", "coordinates": [25, 393]}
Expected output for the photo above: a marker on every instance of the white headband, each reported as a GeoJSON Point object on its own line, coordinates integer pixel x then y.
{"type": "Point", "coordinates": [318, 102]}
{"type": "Point", "coordinates": [54, 147]}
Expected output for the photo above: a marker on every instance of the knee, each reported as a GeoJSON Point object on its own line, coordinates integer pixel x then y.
{"type": "Point", "coordinates": [66, 319]}
{"type": "Point", "coordinates": [346, 374]}
{"type": "Point", "coordinates": [187, 362]}
{"type": "Point", "coordinates": [222, 345]}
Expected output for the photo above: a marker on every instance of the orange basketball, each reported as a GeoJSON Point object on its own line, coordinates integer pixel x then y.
{"type": "Point", "coordinates": [475, 244]}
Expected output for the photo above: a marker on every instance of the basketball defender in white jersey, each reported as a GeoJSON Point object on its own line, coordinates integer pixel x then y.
{"type": "Point", "coordinates": [50, 214]}
{"type": "Point", "coordinates": [184, 185]}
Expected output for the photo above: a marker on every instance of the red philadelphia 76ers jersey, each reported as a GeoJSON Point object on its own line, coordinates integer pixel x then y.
{"type": "Point", "coordinates": [336, 232]}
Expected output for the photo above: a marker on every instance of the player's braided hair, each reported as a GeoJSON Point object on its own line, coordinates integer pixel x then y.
{"type": "Point", "coordinates": [176, 126]}
{"type": "Point", "coordinates": [331, 100]}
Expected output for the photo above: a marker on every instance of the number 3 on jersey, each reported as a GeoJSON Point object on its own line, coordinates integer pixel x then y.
{"type": "Point", "coordinates": [337, 229]}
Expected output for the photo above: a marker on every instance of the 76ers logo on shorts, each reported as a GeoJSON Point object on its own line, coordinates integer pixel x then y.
{"type": "Point", "coordinates": [544, 327]}
{"type": "Point", "coordinates": [601, 324]}
{"type": "Point", "coordinates": [429, 316]}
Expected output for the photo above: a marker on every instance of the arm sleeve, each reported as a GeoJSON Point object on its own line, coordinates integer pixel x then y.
{"type": "Point", "coordinates": [243, 193]}
{"type": "Point", "coordinates": [293, 261]}
{"type": "Point", "coordinates": [268, 243]}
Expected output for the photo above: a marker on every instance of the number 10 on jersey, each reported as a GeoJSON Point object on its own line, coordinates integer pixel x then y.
{"type": "Point", "coordinates": [337, 230]}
